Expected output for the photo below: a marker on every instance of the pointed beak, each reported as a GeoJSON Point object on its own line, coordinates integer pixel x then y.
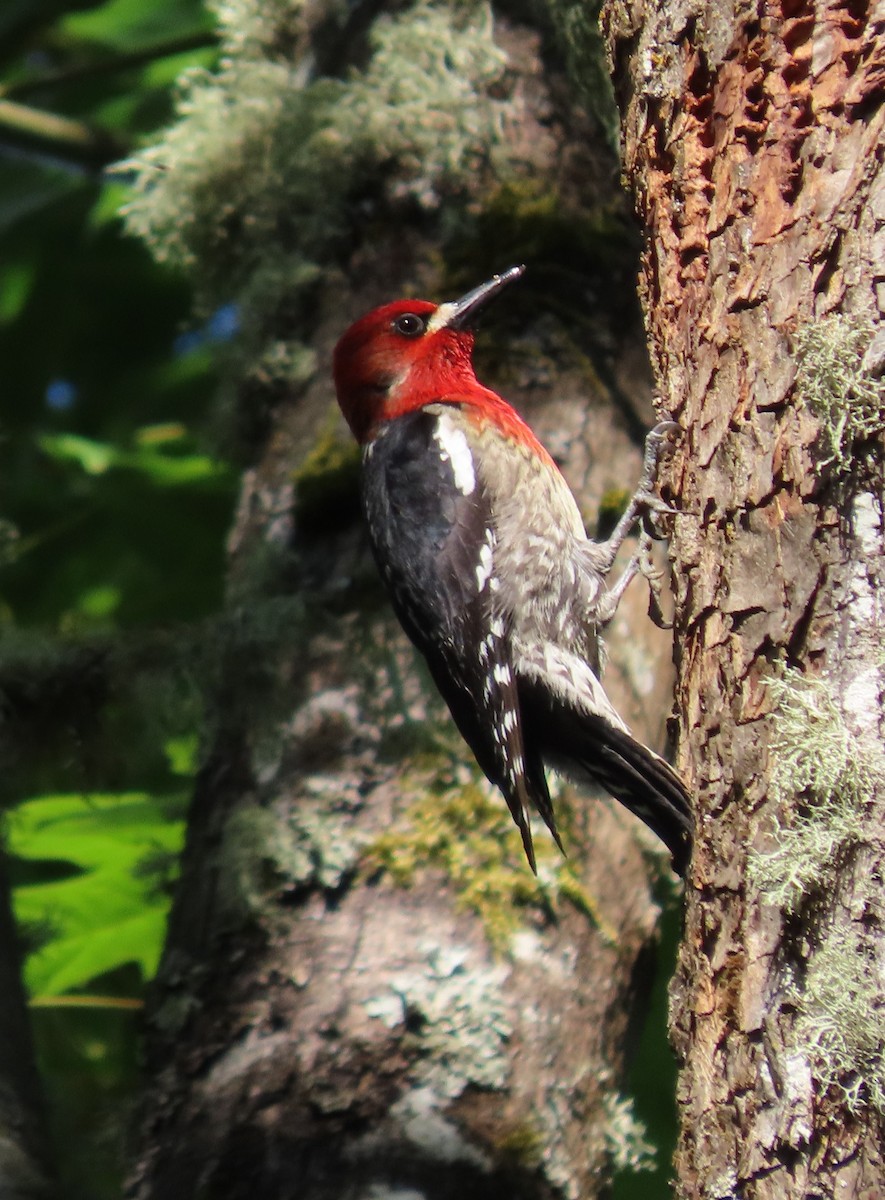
{"type": "Point", "coordinates": [460, 313]}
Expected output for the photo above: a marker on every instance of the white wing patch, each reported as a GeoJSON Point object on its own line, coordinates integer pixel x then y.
{"type": "Point", "coordinates": [484, 566]}
{"type": "Point", "coordinates": [501, 673]}
{"type": "Point", "coordinates": [454, 449]}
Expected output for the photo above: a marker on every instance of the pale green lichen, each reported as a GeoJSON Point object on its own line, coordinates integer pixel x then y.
{"type": "Point", "coordinates": [626, 1137]}
{"type": "Point", "coordinates": [455, 1011]}
{"type": "Point", "coordinates": [464, 829]}
{"type": "Point", "coordinates": [261, 165]}
{"type": "Point", "coordinates": [264, 175]}
{"type": "Point", "coordinates": [267, 851]}
{"type": "Point", "coordinates": [261, 28]}
{"type": "Point", "coordinates": [841, 1018]}
{"type": "Point", "coordinates": [424, 103]}
{"type": "Point", "coordinates": [320, 845]}
{"type": "Point", "coordinates": [842, 391]}
{"type": "Point", "coordinates": [457, 1007]}
{"type": "Point", "coordinates": [818, 765]}
{"type": "Point", "coordinates": [421, 1116]}
{"type": "Point", "coordinates": [248, 873]}
{"type": "Point", "coordinates": [208, 193]}
{"type": "Point", "coordinates": [822, 781]}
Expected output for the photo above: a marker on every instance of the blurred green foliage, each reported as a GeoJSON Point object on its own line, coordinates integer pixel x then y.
{"type": "Point", "coordinates": [114, 505]}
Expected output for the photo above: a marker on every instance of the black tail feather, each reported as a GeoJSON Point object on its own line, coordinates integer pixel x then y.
{"type": "Point", "coordinates": [532, 792]}
{"type": "Point", "coordinates": [585, 744]}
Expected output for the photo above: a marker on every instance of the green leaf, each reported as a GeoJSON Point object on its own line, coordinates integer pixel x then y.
{"type": "Point", "coordinates": [15, 286]}
{"type": "Point", "coordinates": [166, 72]}
{"type": "Point", "coordinates": [106, 210]}
{"type": "Point", "coordinates": [93, 457]}
{"type": "Point", "coordinates": [171, 470]}
{"type": "Point", "coordinates": [71, 962]}
{"type": "Point", "coordinates": [183, 754]}
{"type": "Point", "coordinates": [166, 470]}
{"type": "Point", "coordinates": [84, 829]}
{"type": "Point", "coordinates": [99, 602]}
{"type": "Point", "coordinates": [131, 24]}
{"type": "Point", "coordinates": [113, 912]}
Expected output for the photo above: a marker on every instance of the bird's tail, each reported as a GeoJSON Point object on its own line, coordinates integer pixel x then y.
{"type": "Point", "coordinates": [591, 745]}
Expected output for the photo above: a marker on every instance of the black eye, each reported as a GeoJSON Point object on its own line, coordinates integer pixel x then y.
{"type": "Point", "coordinates": [409, 325]}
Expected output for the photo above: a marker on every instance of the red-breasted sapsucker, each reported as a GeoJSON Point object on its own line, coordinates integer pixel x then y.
{"type": "Point", "coordinates": [482, 548]}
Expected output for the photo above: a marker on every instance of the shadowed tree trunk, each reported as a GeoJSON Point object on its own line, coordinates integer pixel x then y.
{"type": "Point", "coordinates": [754, 141]}
{"type": "Point", "coordinates": [364, 988]}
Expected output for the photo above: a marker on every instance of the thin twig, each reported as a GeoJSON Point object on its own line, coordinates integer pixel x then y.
{"type": "Point", "coordinates": [66, 137]}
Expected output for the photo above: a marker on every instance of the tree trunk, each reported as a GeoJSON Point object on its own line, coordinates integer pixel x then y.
{"type": "Point", "coordinates": [363, 985]}
{"type": "Point", "coordinates": [753, 140]}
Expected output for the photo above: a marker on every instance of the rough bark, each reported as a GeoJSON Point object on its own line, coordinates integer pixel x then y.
{"type": "Point", "coordinates": [362, 987]}
{"type": "Point", "coordinates": [753, 140]}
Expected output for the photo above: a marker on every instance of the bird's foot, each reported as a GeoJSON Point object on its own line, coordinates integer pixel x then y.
{"type": "Point", "coordinates": [611, 597]}
{"type": "Point", "coordinates": [645, 505]}
{"type": "Point", "coordinates": [656, 579]}
{"type": "Point", "coordinates": [642, 563]}
{"type": "Point", "coordinates": [646, 502]}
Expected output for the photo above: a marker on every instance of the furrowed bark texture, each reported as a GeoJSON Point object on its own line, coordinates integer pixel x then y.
{"type": "Point", "coordinates": [362, 992]}
{"type": "Point", "coordinates": [753, 137]}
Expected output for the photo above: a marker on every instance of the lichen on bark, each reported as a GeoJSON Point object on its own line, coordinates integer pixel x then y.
{"type": "Point", "coordinates": [754, 144]}
{"type": "Point", "coordinates": [840, 377]}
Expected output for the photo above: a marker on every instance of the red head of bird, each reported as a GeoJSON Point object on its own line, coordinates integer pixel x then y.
{"type": "Point", "coordinates": [410, 353]}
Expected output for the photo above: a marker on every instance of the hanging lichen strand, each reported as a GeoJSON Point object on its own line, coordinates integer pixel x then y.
{"type": "Point", "coordinates": [272, 163]}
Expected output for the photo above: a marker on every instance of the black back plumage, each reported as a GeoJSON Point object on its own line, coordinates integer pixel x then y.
{"type": "Point", "coordinates": [427, 536]}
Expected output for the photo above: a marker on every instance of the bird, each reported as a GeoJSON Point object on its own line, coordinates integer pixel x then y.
{"type": "Point", "coordinates": [483, 551]}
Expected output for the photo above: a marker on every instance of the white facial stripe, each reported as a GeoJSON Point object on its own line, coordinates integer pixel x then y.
{"type": "Point", "coordinates": [440, 318]}
{"type": "Point", "coordinates": [454, 448]}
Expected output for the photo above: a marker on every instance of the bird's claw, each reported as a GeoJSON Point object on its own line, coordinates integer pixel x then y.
{"type": "Point", "coordinates": [665, 430]}
{"type": "Point", "coordinates": [645, 505]}
{"type": "Point", "coordinates": [652, 502]}
{"type": "Point", "coordinates": [655, 578]}
{"type": "Point", "coordinates": [658, 442]}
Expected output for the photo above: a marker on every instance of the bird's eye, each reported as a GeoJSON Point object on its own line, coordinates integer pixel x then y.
{"type": "Point", "coordinates": [409, 325]}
